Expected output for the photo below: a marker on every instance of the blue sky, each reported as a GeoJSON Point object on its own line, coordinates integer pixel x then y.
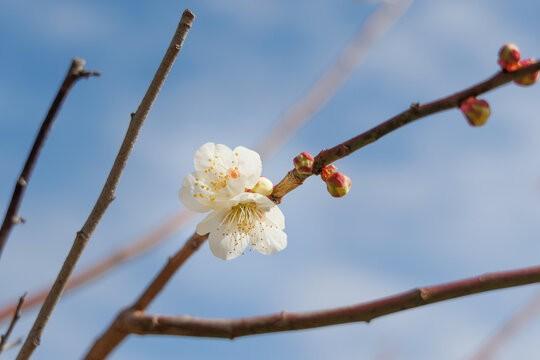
{"type": "Point", "coordinates": [433, 202]}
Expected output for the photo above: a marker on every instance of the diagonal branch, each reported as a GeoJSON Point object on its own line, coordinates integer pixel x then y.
{"type": "Point", "coordinates": [108, 191]}
{"type": "Point", "coordinates": [75, 72]}
{"type": "Point", "coordinates": [139, 323]}
{"type": "Point", "coordinates": [416, 111]}
{"type": "Point", "coordinates": [16, 315]}
{"type": "Point", "coordinates": [116, 333]}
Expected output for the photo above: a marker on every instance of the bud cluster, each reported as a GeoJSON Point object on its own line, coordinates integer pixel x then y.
{"type": "Point", "coordinates": [337, 183]}
{"type": "Point", "coordinates": [510, 60]}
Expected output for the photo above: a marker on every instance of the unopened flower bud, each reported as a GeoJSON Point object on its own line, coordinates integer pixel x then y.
{"type": "Point", "coordinates": [530, 78]}
{"type": "Point", "coordinates": [509, 56]}
{"type": "Point", "coordinates": [303, 163]}
{"type": "Point", "coordinates": [263, 187]}
{"type": "Point", "coordinates": [327, 171]}
{"type": "Point", "coordinates": [338, 184]}
{"type": "Point", "coordinates": [476, 111]}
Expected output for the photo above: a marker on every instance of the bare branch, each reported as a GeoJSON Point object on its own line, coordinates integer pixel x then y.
{"type": "Point", "coordinates": [139, 323]}
{"type": "Point", "coordinates": [16, 315]}
{"type": "Point", "coordinates": [75, 72]}
{"type": "Point", "coordinates": [108, 191]}
{"type": "Point", "coordinates": [416, 111]}
{"type": "Point", "coordinates": [509, 329]}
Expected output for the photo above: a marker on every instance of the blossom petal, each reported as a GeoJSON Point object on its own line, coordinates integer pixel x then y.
{"type": "Point", "coordinates": [249, 165]}
{"type": "Point", "coordinates": [276, 217]}
{"type": "Point", "coordinates": [211, 222]}
{"type": "Point", "coordinates": [189, 198]}
{"type": "Point", "coordinates": [217, 158]}
{"type": "Point", "coordinates": [270, 240]}
{"type": "Point", "coordinates": [226, 244]}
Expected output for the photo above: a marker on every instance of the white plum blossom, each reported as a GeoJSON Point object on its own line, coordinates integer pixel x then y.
{"type": "Point", "coordinates": [224, 183]}
{"type": "Point", "coordinates": [220, 173]}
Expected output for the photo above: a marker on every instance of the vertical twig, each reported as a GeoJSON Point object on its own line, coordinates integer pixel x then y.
{"type": "Point", "coordinates": [108, 191]}
{"type": "Point", "coordinates": [16, 315]}
{"type": "Point", "coordinates": [75, 72]}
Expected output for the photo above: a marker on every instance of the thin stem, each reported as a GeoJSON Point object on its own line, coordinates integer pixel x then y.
{"type": "Point", "coordinates": [75, 72]}
{"type": "Point", "coordinates": [108, 191]}
{"type": "Point", "coordinates": [16, 315]}
{"type": "Point", "coordinates": [416, 111]}
{"type": "Point", "coordinates": [139, 323]}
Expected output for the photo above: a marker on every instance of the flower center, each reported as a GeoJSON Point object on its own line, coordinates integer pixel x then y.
{"type": "Point", "coordinates": [244, 217]}
{"type": "Point", "coordinates": [233, 173]}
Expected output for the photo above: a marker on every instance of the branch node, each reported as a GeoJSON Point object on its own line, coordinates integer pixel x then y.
{"type": "Point", "coordinates": [22, 181]}
{"type": "Point", "coordinates": [415, 107]}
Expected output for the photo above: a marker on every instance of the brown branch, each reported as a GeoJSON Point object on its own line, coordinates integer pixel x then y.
{"type": "Point", "coordinates": [509, 329]}
{"type": "Point", "coordinates": [416, 111]}
{"type": "Point", "coordinates": [16, 315]}
{"type": "Point", "coordinates": [75, 72]}
{"type": "Point", "coordinates": [139, 323]}
{"type": "Point", "coordinates": [108, 191]}
{"type": "Point", "coordinates": [97, 270]}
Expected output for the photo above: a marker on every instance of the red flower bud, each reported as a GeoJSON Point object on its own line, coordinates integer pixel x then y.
{"type": "Point", "coordinates": [509, 56]}
{"type": "Point", "coordinates": [476, 111]}
{"type": "Point", "coordinates": [327, 171]}
{"type": "Point", "coordinates": [338, 184]}
{"type": "Point", "coordinates": [303, 163]}
{"type": "Point", "coordinates": [530, 78]}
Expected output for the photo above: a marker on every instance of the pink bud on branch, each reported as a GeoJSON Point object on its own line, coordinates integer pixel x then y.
{"type": "Point", "coordinates": [338, 184]}
{"type": "Point", "coordinates": [476, 111]}
{"type": "Point", "coordinates": [509, 56]}
{"type": "Point", "coordinates": [530, 78]}
{"type": "Point", "coordinates": [303, 163]}
{"type": "Point", "coordinates": [327, 171]}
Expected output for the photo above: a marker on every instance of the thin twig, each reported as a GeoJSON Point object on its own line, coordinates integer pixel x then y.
{"type": "Point", "coordinates": [299, 113]}
{"type": "Point", "coordinates": [75, 72]}
{"type": "Point", "coordinates": [16, 315]}
{"type": "Point", "coordinates": [509, 329]}
{"type": "Point", "coordinates": [108, 191]}
{"type": "Point", "coordinates": [139, 323]}
{"type": "Point", "coordinates": [416, 111]}
{"type": "Point", "coordinates": [115, 333]}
